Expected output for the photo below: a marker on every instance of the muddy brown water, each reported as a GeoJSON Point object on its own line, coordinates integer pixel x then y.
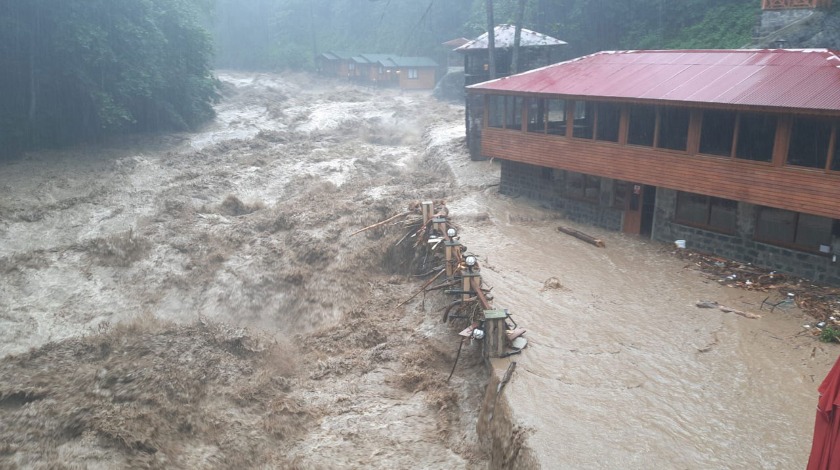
{"type": "Point", "coordinates": [622, 370]}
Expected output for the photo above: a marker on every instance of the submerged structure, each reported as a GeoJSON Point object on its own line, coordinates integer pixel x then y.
{"type": "Point", "coordinates": [735, 151]}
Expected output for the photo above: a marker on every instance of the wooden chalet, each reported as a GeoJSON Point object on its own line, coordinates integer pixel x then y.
{"type": "Point", "coordinates": [413, 73]}
{"type": "Point", "coordinates": [409, 73]}
{"type": "Point", "coordinates": [372, 69]}
{"type": "Point", "coordinates": [336, 64]}
{"type": "Point", "coordinates": [735, 151]}
{"type": "Point", "coordinates": [536, 50]}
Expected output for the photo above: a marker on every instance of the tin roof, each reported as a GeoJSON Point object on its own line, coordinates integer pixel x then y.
{"type": "Point", "coordinates": [413, 61]}
{"type": "Point", "coordinates": [455, 43]}
{"type": "Point", "coordinates": [337, 55]}
{"type": "Point", "coordinates": [371, 58]}
{"type": "Point", "coordinates": [503, 38]}
{"type": "Point", "coordinates": [789, 78]}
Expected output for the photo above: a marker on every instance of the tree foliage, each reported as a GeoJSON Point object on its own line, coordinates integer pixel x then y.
{"type": "Point", "coordinates": [278, 34]}
{"type": "Point", "coordinates": [82, 69]}
{"type": "Point", "coordinates": [290, 33]}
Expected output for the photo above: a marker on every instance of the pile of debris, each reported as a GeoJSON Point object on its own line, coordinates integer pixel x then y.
{"type": "Point", "coordinates": [820, 301]}
{"type": "Point", "coordinates": [457, 273]}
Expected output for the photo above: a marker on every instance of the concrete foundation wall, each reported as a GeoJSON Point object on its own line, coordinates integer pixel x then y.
{"type": "Point", "coordinates": [740, 246]}
{"type": "Point", "coordinates": [548, 186]}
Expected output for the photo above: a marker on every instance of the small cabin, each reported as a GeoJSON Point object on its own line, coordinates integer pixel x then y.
{"type": "Point", "coordinates": [737, 152]}
{"type": "Point", "coordinates": [336, 64]}
{"type": "Point", "coordinates": [413, 73]}
{"type": "Point", "coordinates": [371, 70]}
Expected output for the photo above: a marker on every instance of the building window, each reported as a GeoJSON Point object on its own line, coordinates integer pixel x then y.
{"type": "Point", "coordinates": [351, 66]}
{"type": "Point", "coordinates": [556, 120]}
{"type": "Point", "coordinates": [495, 111]}
{"type": "Point", "coordinates": [536, 115]}
{"type": "Point", "coordinates": [581, 186]}
{"type": "Point", "coordinates": [673, 128]}
{"type": "Point", "coordinates": [642, 125]}
{"type": "Point", "coordinates": [756, 135]}
{"type": "Point", "coordinates": [835, 159]}
{"type": "Point", "coordinates": [782, 227]}
{"type": "Point", "coordinates": [513, 113]}
{"type": "Point", "coordinates": [412, 74]}
{"type": "Point", "coordinates": [621, 192]}
{"type": "Point", "coordinates": [718, 130]}
{"type": "Point", "coordinates": [809, 139]}
{"type": "Point", "coordinates": [609, 117]}
{"type": "Point", "coordinates": [584, 121]}
{"type": "Point", "coordinates": [712, 213]}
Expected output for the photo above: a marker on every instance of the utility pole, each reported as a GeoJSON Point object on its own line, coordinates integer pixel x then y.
{"type": "Point", "coordinates": [491, 40]}
{"type": "Point", "coordinates": [517, 37]}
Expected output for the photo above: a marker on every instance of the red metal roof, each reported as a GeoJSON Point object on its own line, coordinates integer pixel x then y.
{"type": "Point", "coordinates": [787, 78]}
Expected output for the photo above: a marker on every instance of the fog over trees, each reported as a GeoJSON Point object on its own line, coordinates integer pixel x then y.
{"type": "Point", "coordinates": [81, 69]}
{"type": "Point", "coordinates": [288, 33]}
{"type": "Point", "coordinates": [78, 70]}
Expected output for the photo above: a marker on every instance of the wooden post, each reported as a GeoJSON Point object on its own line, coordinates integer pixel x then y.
{"type": "Point", "coordinates": [427, 207]}
{"type": "Point", "coordinates": [451, 259]}
{"type": "Point", "coordinates": [494, 333]}
{"type": "Point", "coordinates": [439, 224]}
{"type": "Point", "coordinates": [466, 285]}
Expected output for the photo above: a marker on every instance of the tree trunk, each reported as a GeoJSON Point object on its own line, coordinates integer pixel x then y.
{"type": "Point", "coordinates": [517, 36]}
{"type": "Point", "coordinates": [33, 84]}
{"type": "Point", "coordinates": [314, 37]}
{"type": "Point", "coordinates": [491, 40]}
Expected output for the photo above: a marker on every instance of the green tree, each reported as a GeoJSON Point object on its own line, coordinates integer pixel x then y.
{"type": "Point", "coordinates": [82, 69]}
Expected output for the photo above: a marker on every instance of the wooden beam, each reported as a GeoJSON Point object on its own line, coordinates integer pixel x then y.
{"type": "Point", "coordinates": [582, 236]}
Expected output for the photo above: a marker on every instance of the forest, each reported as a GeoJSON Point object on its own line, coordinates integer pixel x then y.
{"type": "Point", "coordinates": [82, 70]}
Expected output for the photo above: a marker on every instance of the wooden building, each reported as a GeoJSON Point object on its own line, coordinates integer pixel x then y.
{"type": "Point", "coordinates": [409, 73]}
{"type": "Point", "coordinates": [735, 151]}
{"type": "Point", "coordinates": [372, 69]}
{"type": "Point", "coordinates": [336, 64]}
{"type": "Point", "coordinates": [536, 50]}
{"type": "Point", "coordinates": [413, 73]}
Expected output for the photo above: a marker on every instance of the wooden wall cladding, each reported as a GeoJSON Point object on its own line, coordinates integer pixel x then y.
{"type": "Point", "coordinates": [797, 189]}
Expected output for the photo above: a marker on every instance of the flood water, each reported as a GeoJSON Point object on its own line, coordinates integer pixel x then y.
{"type": "Point", "coordinates": [623, 370]}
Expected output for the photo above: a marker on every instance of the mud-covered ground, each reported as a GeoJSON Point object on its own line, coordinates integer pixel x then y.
{"type": "Point", "coordinates": [197, 301]}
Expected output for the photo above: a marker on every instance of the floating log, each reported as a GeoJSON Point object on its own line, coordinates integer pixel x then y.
{"type": "Point", "coordinates": [422, 288]}
{"type": "Point", "coordinates": [749, 315]}
{"type": "Point", "coordinates": [582, 236]}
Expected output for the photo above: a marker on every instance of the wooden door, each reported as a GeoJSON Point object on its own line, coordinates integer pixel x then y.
{"type": "Point", "coordinates": [634, 201]}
